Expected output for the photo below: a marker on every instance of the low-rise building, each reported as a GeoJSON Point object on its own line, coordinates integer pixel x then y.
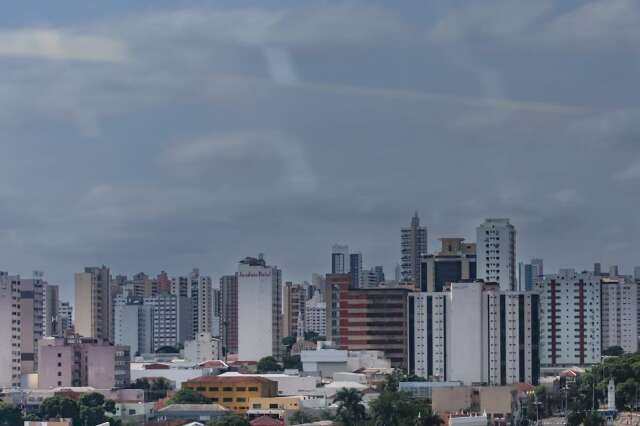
{"type": "Point", "coordinates": [233, 392]}
{"type": "Point", "coordinates": [81, 361]}
{"type": "Point", "coordinates": [177, 371]}
{"type": "Point", "coordinates": [287, 384]}
{"type": "Point", "coordinates": [423, 390]}
{"type": "Point", "coordinates": [201, 412]}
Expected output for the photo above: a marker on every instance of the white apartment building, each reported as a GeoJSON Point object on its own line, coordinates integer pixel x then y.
{"type": "Point", "coordinates": [10, 331]}
{"type": "Point", "coordinates": [474, 333]}
{"type": "Point", "coordinates": [619, 313]}
{"type": "Point", "coordinates": [259, 310]}
{"type": "Point", "coordinates": [496, 253]}
{"type": "Point", "coordinates": [133, 324]}
{"type": "Point", "coordinates": [203, 348]}
{"type": "Point", "coordinates": [570, 324]}
{"type": "Point", "coordinates": [316, 315]}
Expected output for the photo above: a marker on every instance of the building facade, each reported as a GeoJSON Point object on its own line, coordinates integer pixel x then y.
{"type": "Point", "coordinates": [32, 319]}
{"type": "Point", "coordinates": [10, 331]}
{"type": "Point", "coordinates": [335, 284]}
{"type": "Point", "coordinates": [476, 334]}
{"type": "Point", "coordinates": [570, 319]}
{"type": "Point", "coordinates": [259, 309]}
{"type": "Point", "coordinates": [413, 245]}
{"type": "Point", "coordinates": [133, 324]}
{"type": "Point", "coordinates": [78, 361]}
{"type": "Point", "coordinates": [340, 259]}
{"type": "Point", "coordinates": [496, 253]}
{"type": "Point", "coordinates": [51, 303]}
{"type": "Point", "coordinates": [233, 392]}
{"type": "Point", "coordinates": [316, 315]}
{"type": "Point", "coordinates": [229, 314]}
{"type": "Point", "coordinates": [456, 262]}
{"type": "Point", "coordinates": [203, 348]}
{"type": "Point", "coordinates": [374, 319]}
{"type": "Point", "coordinates": [356, 270]}
{"type": "Point", "coordinates": [619, 307]}
{"type": "Point", "coordinates": [294, 297]}
{"type": "Point", "coordinates": [93, 301]}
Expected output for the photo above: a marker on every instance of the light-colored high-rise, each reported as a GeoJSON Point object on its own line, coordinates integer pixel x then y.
{"type": "Point", "coordinates": [496, 253]}
{"type": "Point", "coordinates": [133, 324]}
{"type": "Point", "coordinates": [259, 309]}
{"type": "Point", "coordinates": [474, 333]}
{"type": "Point", "coordinates": [65, 318]}
{"type": "Point", "coordinates": [10, 331]}
{"type": "Point", "coordinates": [93, 303]}
{"type": "Point", "coordinates": [200, 288]}
{"type": "Point", "coordinates": [619, 313]}
{"type": "Point", "coordinates": [316, 315]}
{"type": "Point", "coordinates": [413, 245]}
{"type": "Point", "coordinates": [570, 327]}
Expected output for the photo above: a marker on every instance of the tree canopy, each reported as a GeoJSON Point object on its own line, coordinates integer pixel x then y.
{"type": "Point", "coordinates": [230, 419]}
{"type": "Point", "coordinates": [188, 396]}
{"type": "Point", "coordinates": [268, 364]}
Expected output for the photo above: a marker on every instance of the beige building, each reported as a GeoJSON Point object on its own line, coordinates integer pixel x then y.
{"type": "Point", "coordinates": [32, 292]}
{"type": "Point", "coordinates": [93, 303]}
{"type": "Point", "coordinates": [10, 335]}
{"type": "Point", "coordinates": [495, 401]}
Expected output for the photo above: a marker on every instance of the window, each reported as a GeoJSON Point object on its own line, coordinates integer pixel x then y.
{"type": "Point", "coordinates": [201, 389]}
{"type": "Point", "coordinates": [241, 399]}
{"type": "Point", "coordinates": [227, 389]}
{"type": "Point", "coordinates": [213, 389]}
{"type": "Point", "coordinates": [227, 399]}
{"type": "Point", "coordinates": [241, 389]}
{"type": "Point", "coordinates": [253, 389]}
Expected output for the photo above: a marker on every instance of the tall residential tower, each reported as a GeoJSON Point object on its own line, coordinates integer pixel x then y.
{"type": "Point", "coordinates": [413, 245]}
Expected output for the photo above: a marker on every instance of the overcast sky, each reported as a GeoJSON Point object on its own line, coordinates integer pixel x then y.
{"type": "Point", "coordinates": [154, 135]}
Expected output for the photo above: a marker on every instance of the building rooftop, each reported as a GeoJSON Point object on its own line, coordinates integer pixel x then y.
{"type": "Point", "coordinates": [229, 379]}
{"type": "Point", "coordinates": [193, 408]}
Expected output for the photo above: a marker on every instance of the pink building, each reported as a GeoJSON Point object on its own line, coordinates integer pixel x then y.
{"type": "Point", "coordinates": [78, 361]}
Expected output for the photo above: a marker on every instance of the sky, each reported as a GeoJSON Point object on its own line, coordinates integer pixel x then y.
{"type": "Point", "coordinates": [166, 135]}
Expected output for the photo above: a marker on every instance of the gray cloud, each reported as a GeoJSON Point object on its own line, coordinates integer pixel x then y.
{"type": "Point", "coordinates": [231, 132]}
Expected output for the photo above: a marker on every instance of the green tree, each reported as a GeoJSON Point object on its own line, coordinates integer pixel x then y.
{"type": "Point", "coordinates": [229, 420]}
{"type": "Point", "coordinates": [575, 418]}
{"type": "Point", "coordinates": [59, 407]}
{"type": "Point", "coordinates": [429, 418]}
{"type": "Point", "coordinates": [351, 410]}
{"type": "Point", "coordinates": [188, 396]}
{"type": "Point", "coordinates": [613, 351]}
{"type": "Point", "coordinates": [10, 415]}
{"type": "Point", "coordinates": [153, 389]}
{"type": "Point", "coordinates": [268, 364]}
{"type": "Point", "coordinates": [593, 419]}
{"type": "Point", "coordinates": [293, 362]}
{"type": "Point", "coordinates": [301, 417]}
{"type": "Point", "coordinates": [394, 409]}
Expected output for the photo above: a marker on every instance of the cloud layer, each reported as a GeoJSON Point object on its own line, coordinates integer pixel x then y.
{"type": "Point", "coordinates": [175, 138]}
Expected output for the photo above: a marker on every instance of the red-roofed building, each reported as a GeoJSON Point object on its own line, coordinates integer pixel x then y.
{"type": "Point", "coordinates": [266, 421]}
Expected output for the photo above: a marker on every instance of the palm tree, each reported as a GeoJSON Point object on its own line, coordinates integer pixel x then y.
{"type": "Point", "coordinates": [351, 411]}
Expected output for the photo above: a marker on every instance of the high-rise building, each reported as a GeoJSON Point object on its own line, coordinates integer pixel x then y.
{"type": "Point", "coordinates": [474, 333]}
{"type": "Point", "coordinates": [597, 268]}
{"type": "Point", "coordinates": [374, 319]}
{"type": "Point", "coordinates": [636, 273]}
{"type": "Point", "coordinates": [456, 262]}
{"type": "Point", "coordinates": [334, 285]}
{"type": "Point", "coordinates": [259, 309]}
{"type": "Point", "coordinates": [619, 310]}
{"type": "Point", "coordinates": [340, 259]}
{"type": "Point", "coordinates": [496, 253]}
{"type": "Point", "coordinates": [529, 274]}
{"type": "Point", "coordinates": [216, 305]}
{"type": "Point", "coordinates": [79, 361]}
{"type": "Point", "coordinates": [413, 245]}
{"type": "Point", "coordinates": [93, 303]}
{"type": "Point", "coordinates": [10, 331]}
{"type": "Point", "coordinates": [200, 293]}
{"type": "Point", "coordinates": [294, 297]}
{"type": "Point", "coordinates": [355, 267]}
{"type": "Point", "coordinates": [569, 319]}
{"type": "Point", "coordinates": [614, 271]}
{"type": "Point", "coordinates": [172, 320]}
{"type": "Point", "coordinates": [316, 315]}
{"type": "Point", "coordinates": [379, 271]}
{"type": "Point", "coordinates": [163, 283]}
{"type": "Point", "coordinates": [65, 319]}
{"type": "Point", "coordinates": [229, 314]}
{"type": "Point", "coordinates": [133, 324]}
{"type": "Point", "coordinates": [51, 303]}
{"type": "Point", "coordinates": [32, 293]}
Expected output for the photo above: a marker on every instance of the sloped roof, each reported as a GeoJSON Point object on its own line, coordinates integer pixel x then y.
{"type": "Point", "coordinates": [266, 421]}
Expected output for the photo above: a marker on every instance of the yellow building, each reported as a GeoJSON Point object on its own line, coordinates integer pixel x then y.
{"type": "Point", "coordinates": [233, 393]}
{"type": "Point", "coordinates": [278, 403]}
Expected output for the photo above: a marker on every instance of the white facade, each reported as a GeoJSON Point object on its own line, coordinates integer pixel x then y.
{"type": "Point", "coordinates": [259, 310]}
{"type": "Point", "coordinates": [203, 348]}
{"type": "Point", "coordinates": [619, 313]}
{"type": "Point", "coordinates": [570, 327]}
{"type": "Point", "coordinates": [474, 333]}
{"type": "Point", "coordinates": [316, 315]}
{"type": "Point", "coordinates": [496, 253]}
{"type": "Point", "coordinates": [9, 331]}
